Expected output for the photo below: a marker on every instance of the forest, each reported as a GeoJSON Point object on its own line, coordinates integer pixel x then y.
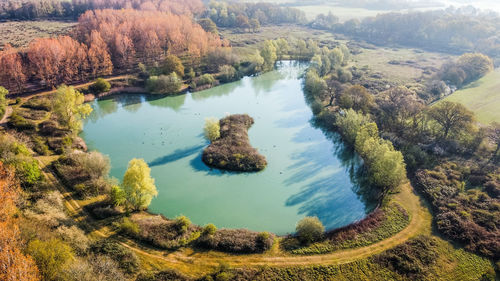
{"type": "Point", "coordinates": [373, 129]}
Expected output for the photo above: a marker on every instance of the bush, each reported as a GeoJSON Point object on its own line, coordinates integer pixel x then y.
{"type": "Point", "coordinates": [126, 259]}
{"type": "Point", "coordinates": [309, 229]}
{"type": "Point", "coordinates": [164, 84]}
{"type": "Point", "coordinates": [205, 79]}
{"type": "Point", "coordinates": [100, 86]}
{"type": "Point", "coordinates": [3, 101]}
{"type": "Point", "coordinates": [51, 256]}
{"type": "Point", "coordinates": [173, 64]}
{"type": "Point", "coordinates": [182, 223]}
{"type": "Point", "coordinates": [18, 122]}
{"type": "Point", "coordinates": [39, 103]}
{"type": "Point", "coordinates": [75, 237]}
{"type": "Point", "coordinates": [212, 129]}
{"type": "Point", "coordinates": [412, 258]}
{"type": "Point", "coordinates": [129, 227]}
{"type": "Point", "coordinates": [237, 241]}
{"type": "Point", "coordinates": [209, 229]}
{"type": "Point", "coordinates": [227, 73]}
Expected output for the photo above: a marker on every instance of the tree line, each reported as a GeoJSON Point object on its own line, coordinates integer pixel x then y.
{"type": "Point", "coordinates": [451, 30]}
{"type": "Point", "coordinates": [251, 15]}
{"type": "Point", "coordinates": [104, 42]}
{"type": "Point", "coordinates": [39, 9]}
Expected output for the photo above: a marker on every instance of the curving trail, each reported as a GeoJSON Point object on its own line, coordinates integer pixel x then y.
{"type": "Point", "coordinates": [8, 112]}
{"type": "Point", "coordinates": [197, 263]}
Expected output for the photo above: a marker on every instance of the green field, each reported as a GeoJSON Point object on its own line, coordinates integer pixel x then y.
{"type": "Point", "coordinates": [482, 97]}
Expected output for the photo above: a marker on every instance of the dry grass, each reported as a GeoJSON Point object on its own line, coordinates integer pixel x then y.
{"type": "Point", "coordinates": [21, 33]}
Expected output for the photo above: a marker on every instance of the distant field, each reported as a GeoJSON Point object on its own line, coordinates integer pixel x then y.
{"type": "Point", "coordinates": [482, 97]}
{"type": "Point", "coordinates": [397, 64]}
{"type": "Point", "coordinates": [20, 33]}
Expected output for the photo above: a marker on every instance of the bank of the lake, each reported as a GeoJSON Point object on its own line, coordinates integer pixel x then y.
{"type": "Point", "coordinates": [309, 172]}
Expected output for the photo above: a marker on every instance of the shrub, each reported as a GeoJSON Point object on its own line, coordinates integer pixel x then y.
{"type": "Point", "coordinates": [164, 84]}
{"type": "Point", "coordinates": [205, 79]}
{"type": "Point", "coordinates": [100, 86]}
{"type": "Point", "coordinates": [309, 229]}
{"type": "Point", "coordinates": [173, 64]}
{"type": "Point", "coordinates": [412, 258]}
{"type": "Point", "coordinates": [39, 145]}
{"type": "Point", "coordinates": [164, 275]}
{"type": "Point", "coordinates": [75, 237]}
{"type": "Point", "coordinates": [95, 267]}
{"type": "Point", "coordinates": [182, 223]}
{"type": "Point", "coordinates": [237, 241]}
{"type": "Point", "coordinates": [28, 172]}
{"type": "Point", "coordinates": [209, 229]}
{"type": "Point", "coordinates": [18, 122]}
{"type": "Point", "coordinates": [212, 129]}
{"type": "Point", "coordinates": [126, 259]}
{"type": "Point", "coordinates": [3, 101]}
{"type": "Point", "coordinates": [51, 256]}
{"type": "Point", "coordinates": [227, 73]}
{"type": "Point", "coordinates": [129, 227]}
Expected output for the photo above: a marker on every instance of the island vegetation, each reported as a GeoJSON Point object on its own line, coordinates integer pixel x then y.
{"type": "Point", "coordinates": [63, 217]}
{"type": "Point", "coordinates": [230, 148]}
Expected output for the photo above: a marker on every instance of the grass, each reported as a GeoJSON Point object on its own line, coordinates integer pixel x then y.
{"type": "Point", "coordinates": [407, 65]}
{"type": "Point", "coordinates": [395, 220]}
{"type": "Point", "coordinates": [482, 97]}
{"type": "Point", "coordinates": [21, 33]}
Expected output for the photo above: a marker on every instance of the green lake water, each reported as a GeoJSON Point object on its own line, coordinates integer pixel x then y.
{"type": "Point", "coordinates": [309, 172]}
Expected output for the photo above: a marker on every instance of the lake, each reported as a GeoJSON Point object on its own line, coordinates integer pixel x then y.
{"type": "Point", "coordinates": [309, 172]}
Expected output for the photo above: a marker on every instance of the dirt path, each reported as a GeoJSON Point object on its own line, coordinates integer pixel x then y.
{"type": "Point", "coordinates": [198, 263]}
{"type": "Point", "coordinates": [8, 112]}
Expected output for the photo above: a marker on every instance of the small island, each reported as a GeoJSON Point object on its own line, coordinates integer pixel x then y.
{"type": "Point", "coordinates": [232, 151]}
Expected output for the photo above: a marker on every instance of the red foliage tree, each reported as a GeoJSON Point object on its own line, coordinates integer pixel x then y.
{"type": "Point", "coordinates": [99, 58]}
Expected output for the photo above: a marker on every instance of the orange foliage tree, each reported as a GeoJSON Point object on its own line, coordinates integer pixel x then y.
{"type": "Point", "coordinates": [11, 75]}
{"type": "Point", "coordinates": [152, 34]}
{"type": "Point", "coordinates": [14, 265]}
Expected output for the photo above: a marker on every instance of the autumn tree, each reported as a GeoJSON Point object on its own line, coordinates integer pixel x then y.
{"type": "Point", "coordinates": [122, 52]}
{"type": "Point", "coordinates": [99, 59]}
{"type": "Point", "coordinates": [138, 186]}
{"type": "Point", "coordinates": [451, 117]}
{"type": "Point", "coordinates": [173, 64]}
{"type": "Point", "coordinates": [357, 98]}
{"type": "Point", "coordinates": [208, 25]}
{"type": "Point", "coordinates": [268, 53]}
{"type": "Point", "coordinates": [254, 24]}
{"type": "Point", "coordinates": [398, 106]}
{"type": "Point", "coordinates": [68, 106]}
{"type": "Point", "coordinates": [12, 74]}
{"type": "Point", "coordinates": [14, 265]}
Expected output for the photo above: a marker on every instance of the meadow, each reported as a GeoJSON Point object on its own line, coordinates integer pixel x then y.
{"type": "Point", "coordinates": [21, 33]}
{"type": "Point", "coordinates": [482, 97]}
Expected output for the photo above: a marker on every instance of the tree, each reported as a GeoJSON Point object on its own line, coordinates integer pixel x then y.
{"type": "Point", "coordinates": [397, 106]}
{"type": "Point", "coordinates": [227, 73]}
{"type": "Point", "coordinates": [123, 51]}
{"type": "Point", "coordinates": [309, 229]}
{"type": "Point", "coordinates": [350, 123]}
{"type": "Point", "coordinates": [357, 98]}
{"type": "Point", "coordinates": [3, 101]}
{"type": "Point", "coordinates": [99, 59]}
{"type": "Point", "coordinates": [212, 129]}
{"type": "Point", "coordinates": [242, 22]}
{"type": "Point", "coordinates": [255, 24]}
{"type": "Point", "coordinates": [12, 69]}
{"type": "Point", "coordinates": [282, 48]}
{"type": "Point", "coordinates": [452, 117]}
{"type": "Point", "coordinates": [51, 256]}
{"type": "Point", "coordinates": [100, 86]}
{"type": "Point", "coordinates": [14, 265]}
{"type": "Point", "coordinates": [173, 64]}
{"type": "Point", "coordinates": [268, 52]}
{"type": "Point", "coordinates": [164, 84]}
{"type": "Point", "coordinates": [138, 186]}
{"type": "Point", "coordinates": [68, 106]}
{"type": "Point", "coordinates": [475, 65]}
{"type": "Point", "coordinates": [208, 25]}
